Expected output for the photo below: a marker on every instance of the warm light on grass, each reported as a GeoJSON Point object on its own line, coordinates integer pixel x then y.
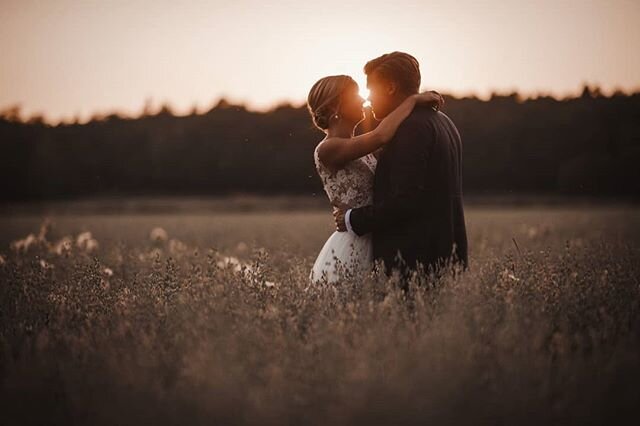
{"type": "Point", "coordinates": [543, 324]}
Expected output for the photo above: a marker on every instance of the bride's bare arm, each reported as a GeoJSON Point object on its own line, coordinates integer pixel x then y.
{"type": "Point", "coordinates": [336, 152]}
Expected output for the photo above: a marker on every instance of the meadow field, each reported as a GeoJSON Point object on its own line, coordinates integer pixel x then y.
{"type": "Point", "coordinates": [204, 315]}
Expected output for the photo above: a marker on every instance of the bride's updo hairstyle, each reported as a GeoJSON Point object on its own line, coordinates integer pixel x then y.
{"type": "Point", "coordinates": [324, 99]}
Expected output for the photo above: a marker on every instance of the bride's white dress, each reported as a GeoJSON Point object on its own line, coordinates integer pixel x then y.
{"type": "Point", "coordinates": [345, 253]}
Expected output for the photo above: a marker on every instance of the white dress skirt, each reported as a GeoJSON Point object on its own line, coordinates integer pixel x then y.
{"type": "Point", "coordinates": [344, 255]}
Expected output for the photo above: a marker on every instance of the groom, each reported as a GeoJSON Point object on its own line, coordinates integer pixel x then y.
{"type": "Point", "coordinates": [417, 214]}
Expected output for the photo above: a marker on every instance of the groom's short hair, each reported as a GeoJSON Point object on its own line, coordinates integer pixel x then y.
{"type": "Point", "coordinates": [399, 67]}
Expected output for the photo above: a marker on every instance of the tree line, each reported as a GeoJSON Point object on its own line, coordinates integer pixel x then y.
{"type": "Point", "coordinates": [586, 145]}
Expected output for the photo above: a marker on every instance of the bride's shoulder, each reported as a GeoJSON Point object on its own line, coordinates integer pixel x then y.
{"type": "Point", "coordinates": [317, 152]}
{"type": "Point", "coordinates": [322, 154]}
{"type": "Point", "coordinates": [321, 148]}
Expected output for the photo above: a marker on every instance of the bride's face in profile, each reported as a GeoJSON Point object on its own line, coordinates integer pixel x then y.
{"type": "Point", "coordinates": [351, 104]}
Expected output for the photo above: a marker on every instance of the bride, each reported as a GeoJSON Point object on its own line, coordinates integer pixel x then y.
{"type": "Point", "coordinates": [346, 165]}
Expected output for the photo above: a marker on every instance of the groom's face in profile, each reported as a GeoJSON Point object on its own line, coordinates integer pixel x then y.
{"type": "Point", "coordinates": [381, 95]}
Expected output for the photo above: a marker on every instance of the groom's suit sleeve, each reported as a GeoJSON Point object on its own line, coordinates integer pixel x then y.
{"type": "Point", "coordinates": [407, 191]}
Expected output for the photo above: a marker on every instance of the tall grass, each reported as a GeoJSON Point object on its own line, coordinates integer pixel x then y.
{"type": "Point", "coordinates": [167, 333]}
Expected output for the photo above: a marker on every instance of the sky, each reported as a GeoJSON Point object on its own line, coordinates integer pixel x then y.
{"type": "Point", "coordinates": [67, 59]}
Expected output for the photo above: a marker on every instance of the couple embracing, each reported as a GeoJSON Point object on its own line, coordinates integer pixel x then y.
{"type": "Point", "coordinates": [397, 190]}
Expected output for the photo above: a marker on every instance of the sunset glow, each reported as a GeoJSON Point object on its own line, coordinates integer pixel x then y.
{"type": "Point", "coordinates": [75, 58]}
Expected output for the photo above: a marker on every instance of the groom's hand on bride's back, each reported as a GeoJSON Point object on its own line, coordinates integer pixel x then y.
{"type": "Point", "coordinates": [339, 211]}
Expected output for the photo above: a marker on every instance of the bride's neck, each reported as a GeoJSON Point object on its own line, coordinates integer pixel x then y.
{"type": "Point", "coordinates": [341, 130]}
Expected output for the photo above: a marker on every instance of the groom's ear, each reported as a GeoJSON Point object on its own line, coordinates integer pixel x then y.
{"type": "Point", "coordinates": [392, 88]}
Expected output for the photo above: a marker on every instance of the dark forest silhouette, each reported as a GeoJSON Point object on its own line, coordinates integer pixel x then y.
{"type": "Point", "coordinates": [589, 145]}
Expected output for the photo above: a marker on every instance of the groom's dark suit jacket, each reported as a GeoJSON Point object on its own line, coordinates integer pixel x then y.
{"type": "Point", "coordinates": [417, 209]}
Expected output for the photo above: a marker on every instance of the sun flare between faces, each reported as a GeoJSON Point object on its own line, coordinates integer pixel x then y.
{"type": "Point", "coordinates": [364, 93]}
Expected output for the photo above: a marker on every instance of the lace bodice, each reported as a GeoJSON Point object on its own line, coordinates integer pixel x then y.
{"type": "Point", "coordinates": [351, 185]}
